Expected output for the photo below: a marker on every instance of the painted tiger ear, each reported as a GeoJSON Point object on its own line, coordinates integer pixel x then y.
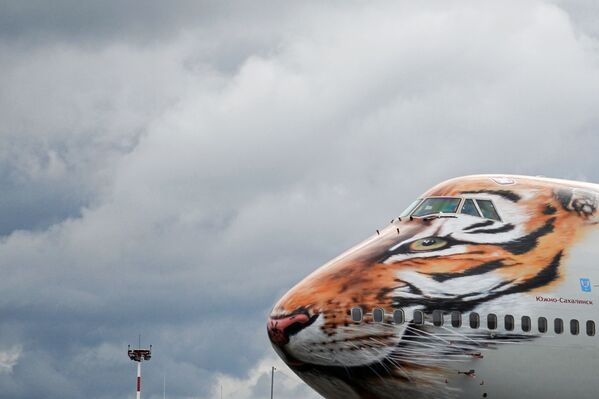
{"type": "Point", "coordinates": [584, 203]}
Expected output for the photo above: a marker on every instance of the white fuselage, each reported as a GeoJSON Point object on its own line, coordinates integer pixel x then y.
{"type": "Point", "coordinates": [487, 287]}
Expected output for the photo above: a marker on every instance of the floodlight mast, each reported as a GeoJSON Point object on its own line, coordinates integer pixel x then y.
{"type": "Point", "coordinates": [139, 355]}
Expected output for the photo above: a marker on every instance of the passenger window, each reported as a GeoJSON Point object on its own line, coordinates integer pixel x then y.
{"type": "Point", "coordinates": [456, 319]}
{"type": "Point", "coordinates": [509, 322]}
{"type": "Point", "coordinates": [526, 323]}
{"type": "Point", "coordinates": [488, 210]}
{"type": "Point", "coordinates": [398, 316]}
{"type": "Point", "coordinates": [590, 328]}
{"type": "Point", "coordinates": [558, 326]}
{"type": "Point", "coordinates": [356, 314]}
{"type": "Point", "coordinates": [437, 318]}
{"type": "Point", "coordinates": [474, 320]}
{"type": "Point", "coordinates": [574, 327]}
{"type": "Point", "coordinates": [469, 208]}
{"type": "Point", "coordinates": [418, 317]}
{"type": "Point", "coordinates": [542, 325]}
{"type": "Point", "coordinates": [378, 315]}
{"type": "Point", "coordinates": [492, 321]}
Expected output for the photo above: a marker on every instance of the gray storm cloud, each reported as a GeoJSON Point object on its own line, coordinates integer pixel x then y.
{"type": "Point", "coordinates": [172, 170]}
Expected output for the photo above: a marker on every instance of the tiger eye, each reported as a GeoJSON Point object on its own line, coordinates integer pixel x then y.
{"type": "Point", "coordinates": [428, 244]}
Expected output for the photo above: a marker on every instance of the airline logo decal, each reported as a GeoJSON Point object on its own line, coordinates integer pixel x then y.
{"type": "Point", "coordinates": [585, 285]}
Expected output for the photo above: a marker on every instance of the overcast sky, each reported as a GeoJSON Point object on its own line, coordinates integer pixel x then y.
{"type": "Point", "coordinates": [172, 168]}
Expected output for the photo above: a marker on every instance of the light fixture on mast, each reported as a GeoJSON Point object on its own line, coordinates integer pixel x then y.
{"type": "Point", "coordinates": [139, 355]}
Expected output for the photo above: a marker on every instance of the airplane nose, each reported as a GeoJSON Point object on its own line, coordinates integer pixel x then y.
{"type": "Point", "coordinates": [280, 328]}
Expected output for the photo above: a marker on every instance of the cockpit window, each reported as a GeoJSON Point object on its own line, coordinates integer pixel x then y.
{"type": "Point", "coordinates": [438, 205]}
{"type": "Point", "coordinates": [488, 210]}
{"type": "Point", "coordinates": [435, 205]}
{"type": "Point", "coordinates": [409, 209]}
{"type": "Point", "coordinates": [469, 208]}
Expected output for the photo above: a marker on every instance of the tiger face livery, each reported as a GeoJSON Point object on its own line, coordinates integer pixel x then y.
{"type": "Point", "coordinates": [422, 309]}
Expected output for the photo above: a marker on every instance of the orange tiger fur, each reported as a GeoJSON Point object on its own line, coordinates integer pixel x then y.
{"type": "Point", "coordinates": [359, 279]}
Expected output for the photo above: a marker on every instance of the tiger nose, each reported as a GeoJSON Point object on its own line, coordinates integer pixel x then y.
{"type": "Point", "coordinates": [281, 328]}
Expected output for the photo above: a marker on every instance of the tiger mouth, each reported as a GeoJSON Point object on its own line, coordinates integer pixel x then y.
{"type": "Point", "coordinates": [282, 327]}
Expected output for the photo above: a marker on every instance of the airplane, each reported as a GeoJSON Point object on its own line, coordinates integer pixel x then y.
{"type": "Point", "coordinates": [484, 287]}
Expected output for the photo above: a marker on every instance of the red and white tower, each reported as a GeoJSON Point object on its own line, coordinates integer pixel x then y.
{"type": "Point", "coordinates": [139, 355]}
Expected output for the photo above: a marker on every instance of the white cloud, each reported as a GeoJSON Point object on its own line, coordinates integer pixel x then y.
{"type": "Point", "coordinates": [258, 380]}
{"type": "Point", "coordinates": [9, 359]}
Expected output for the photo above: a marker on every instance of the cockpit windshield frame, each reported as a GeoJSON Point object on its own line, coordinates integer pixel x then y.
{"type": "Point", "coordinates": [408, 211]}
{"type": "Point", "coordinates": [414, 207]}
{"type": "Point", "coordinates": [453, 211]}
